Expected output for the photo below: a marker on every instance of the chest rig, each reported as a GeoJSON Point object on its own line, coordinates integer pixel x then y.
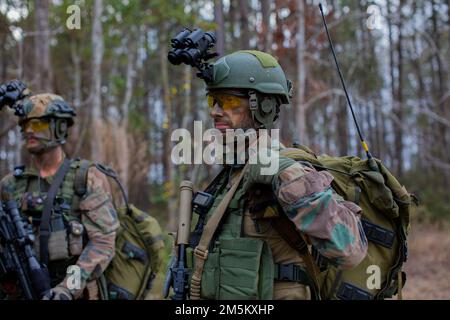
{"type": "Point", "coordinates": [67, 236]}
{"type": "Point", "coordinates": [247, 254]}
{"type": "Point", "coordinates": [30, 192]}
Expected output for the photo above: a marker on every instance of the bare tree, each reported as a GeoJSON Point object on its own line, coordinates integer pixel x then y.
{"type": "Point", "coordinates": [398, 106]}
{"type": "Point", "coordinates": [43, 72]}
{"type": "Point", "coordinates": [220, 30]}
{"type": "Point", "coordinates": [300, 123]}
{"type": "Point", "coordinates": [169, 170]}
{"type": "Point", "coordinates": [266, 29]}
{"type": "Point", "coordinates": [97, 152]}
{"type": "Point", "coordinates": [244, 27]}
{"type": "Point", "coordinates": [440, 90]}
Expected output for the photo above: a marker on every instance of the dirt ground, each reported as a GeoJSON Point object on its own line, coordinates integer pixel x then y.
{"type": "Point", "coordinates": [428, 265]}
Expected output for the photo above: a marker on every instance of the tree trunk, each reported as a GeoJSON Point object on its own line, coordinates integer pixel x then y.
{"type": "Point", "coordinates": [76, 60]}
{"type": "Point", "coordinates": [244, 27]}
{"type": "Point", "coordinates": [169, 170]}
{"type": "Point", "coordinates": [220, 31]}
{"type": "Point", "coordinates": [43, 72]}
{"type": "Point", "coordinates": [266, 28]}
{"type": "Point", "coordinates": [124, 153]}
{"type": "Point", "coordinates": [97, 151]}
{"type": "Point", "coordinates": [342, 126]}
{"type": "Point", "coordinates": [389, 150]}
{"type": "Point", "coordinates": [300, 120]}
{"type": "Point", "coordinates": [398, 110]}
{"type": "Point", "coordinates": [439, 97]}
{"type": "Point", "coordinates": [232, 18]}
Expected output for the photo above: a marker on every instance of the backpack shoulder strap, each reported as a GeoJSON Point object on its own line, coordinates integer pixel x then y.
{"type": "Point", "coordinates": [80, 183]}
{"type": "Point", "coordinates": [109, 172]}
{"type": "Point", "coordinates": [262, 198]}
{"type": "Point", "coordinates": [297, 241]}
{"type": "Point", "coordinates": [44, 229]}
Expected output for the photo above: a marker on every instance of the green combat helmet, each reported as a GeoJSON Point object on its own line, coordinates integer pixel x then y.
{"type": "Point", "coordinates": [52, 107]}
{"type": "Point", "coordinates": [262, 75]}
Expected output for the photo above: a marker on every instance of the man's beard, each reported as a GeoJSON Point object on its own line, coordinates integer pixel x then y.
{"type": "Point", "coordinates": [42, 146]}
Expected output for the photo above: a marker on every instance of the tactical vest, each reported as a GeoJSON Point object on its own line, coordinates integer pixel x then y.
{"type": "Point", "coordinates": [139, 240]}
{"type": "Point", "coordinates": [248, 258]}
{"type": "Point", "coordinates": [68, 237]}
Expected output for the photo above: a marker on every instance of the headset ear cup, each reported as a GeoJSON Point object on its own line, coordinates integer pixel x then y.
{"type": "Point", "coordinates": [267, 111]}
{"type": "Point", "coordinates": [61, 129]}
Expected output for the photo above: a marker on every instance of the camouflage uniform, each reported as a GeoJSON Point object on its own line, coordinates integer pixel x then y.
{"type": "Point", "coordinates": [330, 225]}
{"type": "Point", "coordinates": [94, 211]}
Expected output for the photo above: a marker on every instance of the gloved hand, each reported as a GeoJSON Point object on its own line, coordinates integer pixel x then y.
{"type": "Point", "coordinates": [12, 91]}
{"type": "Point", "coordinates": [266, 173]}
{"type": "Point", "coordinates": [58, 293]}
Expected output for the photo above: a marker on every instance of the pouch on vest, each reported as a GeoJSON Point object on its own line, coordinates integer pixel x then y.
{"type": "Point", "coordinates": [58, 248]}
{"type": "Point", "coordinates": [75, 237]}
{"type": "Point", "coordinates": [240, 269]}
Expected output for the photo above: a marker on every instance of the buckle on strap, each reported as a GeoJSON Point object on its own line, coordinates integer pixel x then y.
{"type": "Point", "coordinates": [253, 100]}
{"type": "Point", "coordinates": [291, 272]}
{"type": "Point", "coordinates": [201, 254]}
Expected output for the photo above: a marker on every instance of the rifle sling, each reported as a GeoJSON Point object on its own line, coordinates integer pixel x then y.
{"type": "Point", "coordinates": [201, 251]}
{"type": "Point", "coordinates": [44, 229]}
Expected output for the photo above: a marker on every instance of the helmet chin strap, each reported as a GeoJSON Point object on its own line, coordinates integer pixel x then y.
{"type": "Point", "coordinates": [264, 111]}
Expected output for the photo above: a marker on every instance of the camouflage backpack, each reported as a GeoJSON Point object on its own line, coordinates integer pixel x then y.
{"type": "Point", "coordinates": [139, 244]}
{"type": "Point", "coordinates": [385, 219]}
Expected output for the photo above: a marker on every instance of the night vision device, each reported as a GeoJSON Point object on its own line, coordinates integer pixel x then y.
{"type": "Point", "coordinates": [193, 48]}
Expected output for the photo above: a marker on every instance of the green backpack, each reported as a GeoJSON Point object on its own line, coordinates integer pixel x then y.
{"type": "Point", "coordinates": [139, 243]}
{"type": "Point", "coordinates": [385, 207]}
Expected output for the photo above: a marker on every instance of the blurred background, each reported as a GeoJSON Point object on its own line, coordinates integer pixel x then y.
{"type": "Point", "coordinates": [109, 60]}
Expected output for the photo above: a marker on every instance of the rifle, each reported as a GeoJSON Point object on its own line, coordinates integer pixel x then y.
{"type": "Point", "coordinates": [17, 256]}
{"type": "Point", "coordinates": [178, 273]}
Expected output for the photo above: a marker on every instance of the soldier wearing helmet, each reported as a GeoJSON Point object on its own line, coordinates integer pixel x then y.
{"type": "Point", "coordinates": [258, 249]}
{"type": "Point", "coordinates": [83, 219]}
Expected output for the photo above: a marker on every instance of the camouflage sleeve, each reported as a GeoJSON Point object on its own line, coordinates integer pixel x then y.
{"type": "Point", "coordinates": [100, 221]}
{"type": "Point", "coordinates": [332, 224]}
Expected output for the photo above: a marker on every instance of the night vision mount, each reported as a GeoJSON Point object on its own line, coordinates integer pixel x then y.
{"type": "Point", "coordinates": [11, 93]}
{"type": "Point", "coordinates": [193, 48]}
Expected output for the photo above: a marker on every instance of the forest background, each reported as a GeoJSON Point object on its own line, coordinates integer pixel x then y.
{"type": "Point", "coordinates": [109, 60]}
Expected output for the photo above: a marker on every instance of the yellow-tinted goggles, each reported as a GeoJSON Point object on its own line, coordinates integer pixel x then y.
{"type": "Point", "coordinates": [36, 125]}
{"type": "Point", "coordinates": [224, 100]}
